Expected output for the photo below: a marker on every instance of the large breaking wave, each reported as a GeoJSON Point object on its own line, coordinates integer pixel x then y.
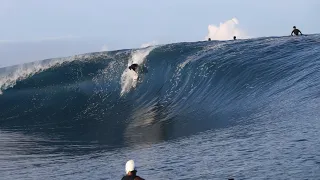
{"type": "Point", "coordinates": [187, 88]}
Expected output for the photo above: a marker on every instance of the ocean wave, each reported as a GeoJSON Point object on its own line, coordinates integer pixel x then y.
{"type": "Point", "coordinates": [187, 88]}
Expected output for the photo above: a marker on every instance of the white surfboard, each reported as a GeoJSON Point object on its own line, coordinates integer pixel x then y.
{"type": "Point", "coordinates": [135, 79]}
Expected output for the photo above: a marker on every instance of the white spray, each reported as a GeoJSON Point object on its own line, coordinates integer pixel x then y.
{"type": "Point", "coordinates": [129, 77]}
{"type": "Point", "coordinates": [11, 75]}
{"type": "Point", "coordinates": [226, 31]}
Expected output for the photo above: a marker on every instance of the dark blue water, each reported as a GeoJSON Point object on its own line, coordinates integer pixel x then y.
{"type": "Point", "coordinates": [247, 109]}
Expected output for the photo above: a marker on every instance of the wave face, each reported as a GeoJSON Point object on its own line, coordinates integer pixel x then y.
{"type": "Point", "coordinates": [183, 89]}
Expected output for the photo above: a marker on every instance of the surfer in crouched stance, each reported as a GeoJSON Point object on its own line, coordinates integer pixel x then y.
{"type": "Point", "coordinates": [295, 31]}
{"type": "Point", "coordinates": [134, 67]}
{"type": "Point", "coordinates": [131, 172]}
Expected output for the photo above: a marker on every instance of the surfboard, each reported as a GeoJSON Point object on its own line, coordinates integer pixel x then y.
{"type": "Point", "coordinates": [135, 76]}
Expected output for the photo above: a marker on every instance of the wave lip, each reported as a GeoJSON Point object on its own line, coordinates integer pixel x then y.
{"type": "Point", "coordinates": [9, 76]}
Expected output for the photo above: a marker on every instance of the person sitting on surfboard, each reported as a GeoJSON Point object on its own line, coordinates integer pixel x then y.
{"type": "Point", "coordinates": [133, 67]}
{"type": "Point", "coordinates": [296, 31]}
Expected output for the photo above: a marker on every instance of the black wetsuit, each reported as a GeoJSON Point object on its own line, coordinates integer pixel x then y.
{"type": "Point", "coordinates": [296, 32]}
{"type": "Point", "coordinates": [131, 178]}
{"type": "Point", "coordinates": [133, 67]}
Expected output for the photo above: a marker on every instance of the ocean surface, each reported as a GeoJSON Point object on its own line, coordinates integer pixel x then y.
{"type": "Point", "coordinates": [244, 109]}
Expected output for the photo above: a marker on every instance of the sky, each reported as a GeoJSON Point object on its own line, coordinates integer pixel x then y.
{"type": "Point", "coordinates": [33, 30]}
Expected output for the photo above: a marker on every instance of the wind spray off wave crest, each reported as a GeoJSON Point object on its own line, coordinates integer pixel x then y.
{"type": "Point", "coordinates": [226, 30]}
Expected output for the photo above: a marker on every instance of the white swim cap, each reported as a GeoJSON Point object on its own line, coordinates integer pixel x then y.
{"type": "Point", "coordinates": [130, 166]}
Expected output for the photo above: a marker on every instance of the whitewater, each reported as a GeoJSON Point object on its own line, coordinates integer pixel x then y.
{"type": "Point", "coordinates": [244, 109]}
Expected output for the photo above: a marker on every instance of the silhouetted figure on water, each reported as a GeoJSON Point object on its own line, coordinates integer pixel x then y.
{"type": "Point", "coordinates": [296, 31]}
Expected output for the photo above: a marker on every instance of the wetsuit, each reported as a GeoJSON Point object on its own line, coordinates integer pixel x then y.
{"type": "Point", "coordinates": [133, 67]}
{"type": "Point", "coordinates": [131, 178]}
{"type": "Point", "coordinates": [296, 32]}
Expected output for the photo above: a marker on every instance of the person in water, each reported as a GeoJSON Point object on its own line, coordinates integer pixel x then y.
{"type": "Point", "coordinates": [131, 172]}
{"type": "Point", "coordinates": [209, 39]}
{"type": "Point", "coordinates": [296, 31]}
{"type": "Point", "coordinates": [133, 67]}
{"type": "Point", "coordinates": [234, 37]}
